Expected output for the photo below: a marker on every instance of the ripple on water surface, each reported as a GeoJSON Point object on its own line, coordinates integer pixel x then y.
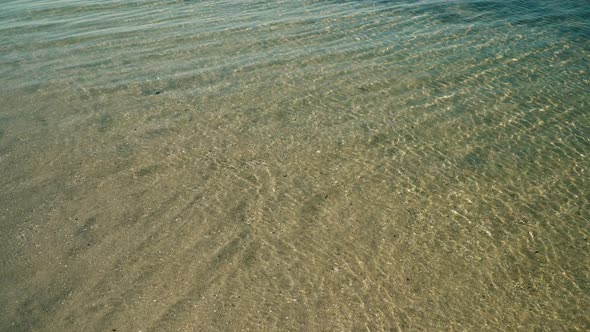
{"type": "Point", "coordinates": [294, 165]}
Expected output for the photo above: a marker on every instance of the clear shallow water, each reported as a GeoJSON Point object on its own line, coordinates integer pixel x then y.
{"type": "Point", "coordinates": [296, 165]}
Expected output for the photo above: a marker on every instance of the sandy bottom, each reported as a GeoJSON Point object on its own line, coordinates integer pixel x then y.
{"type": "Point", "coordinates": [145, 209]}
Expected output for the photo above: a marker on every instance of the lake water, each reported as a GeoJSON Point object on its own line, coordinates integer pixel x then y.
{"type": "Point", "coordinates": [300, 165]}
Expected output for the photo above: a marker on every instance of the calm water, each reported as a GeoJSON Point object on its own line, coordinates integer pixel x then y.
{"type": "Point", "coordinates": [294, 165]}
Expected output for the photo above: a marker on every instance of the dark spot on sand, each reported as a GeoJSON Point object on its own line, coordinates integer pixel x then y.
{"type": "Point", "coordinates": [475, 159]}
{"type": "Point", "coordinates": [124, 149]}
{"type": "Point", "coordinates": [104, 123]}
{"type": "Point", "coordinates": [157, 132]}
{"type": "Point", "coordinates": [148, 170]}
{"type": "Point", "coordinates": [378, 139]}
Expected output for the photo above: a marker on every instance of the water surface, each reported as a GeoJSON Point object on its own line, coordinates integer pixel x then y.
{"type": "Point", "coordinates": [294, 165]}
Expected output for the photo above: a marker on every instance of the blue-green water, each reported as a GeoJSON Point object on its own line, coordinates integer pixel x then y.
{"type": "Point", "coordinates": [294, 165]}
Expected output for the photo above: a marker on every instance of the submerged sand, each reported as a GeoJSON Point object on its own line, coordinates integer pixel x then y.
{"type": "Point", "coordinates": [294, 166]}
{"type": "Point", "coordinates": [147, 210]}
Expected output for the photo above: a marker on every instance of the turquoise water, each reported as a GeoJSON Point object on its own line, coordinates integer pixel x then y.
{"type": "Point", "coordinates": [294, 165]}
